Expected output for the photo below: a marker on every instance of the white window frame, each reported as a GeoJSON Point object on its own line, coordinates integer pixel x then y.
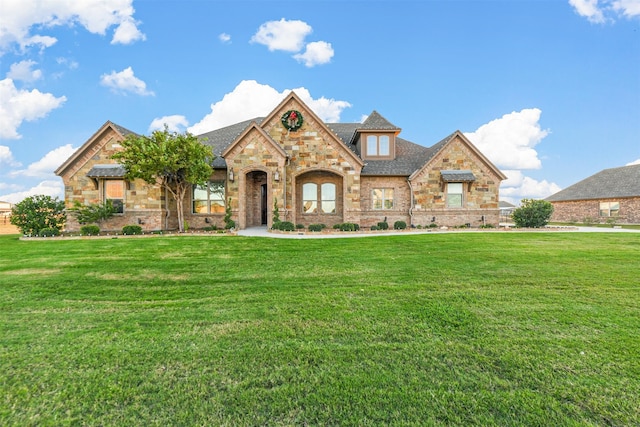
{"type": "Point", "coordinates": [386, 195]}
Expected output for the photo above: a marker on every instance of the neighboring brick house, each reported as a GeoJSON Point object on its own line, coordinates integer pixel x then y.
{"type": "Point", "coordinates": [611, 195]}
{"type": "Point", "coordinates": [315, 172]}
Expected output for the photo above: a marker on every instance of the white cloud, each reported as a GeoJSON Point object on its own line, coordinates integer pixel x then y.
{"type": "Point", "coordinates": [23, 71]}
{"type": "Point", "coordinates": [6, 157]}
{"type": "Point", "coordinates": [17, 106]}
{"type": "Point", "coordinates": [601, 11]}
{"type": "Point", "coordinates": [635, 162]}
{"type": "Point", "coordinates": [175, 123]}
{"type": "Point", "coordinates": [518, 187]}
{"type": "Point", "coordinates": [250, 100]}
{"type": "Point", "coordinates": [125, 81]}
{"type": "Point", "coordinates": [627, 8]}
{"type": "Point", "coordinates": [510, 140]}
{"type": "Point", "coordinates": [48, 188]}
{"type": "Point", "coordinates": [224, 38]}
{"type": "Point", "coordinates": [51, 161]}
{"type": "Point", "coordinates": [282, 35]}
{"type": "Point", "coordinates": [20, 17]}
{"type": "Point", "coordinates": [316, 53]}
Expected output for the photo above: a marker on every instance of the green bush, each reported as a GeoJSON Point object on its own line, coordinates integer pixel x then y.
{"type": "Point", "coordinates": [49, 232]}
{"type": "Point", "coordinates": [433, 225]}
{"type": "Point", "coordinates": [299, 226]}
{"type": "Point", "coordinates": [487, 226]}
{"type": "Point", "coordinates": [93, 212]}
{"type": "Point", "coordinates": [532, 213]}
{"type": "Point", "coordinates": [90, 230]}
{"type": "Point", "coordinates": [384, 225]}
{"type": "Point", "coordinates": [349, 226]}
{"type": "Point", "coordinates": [399, 225]}
{"type": "Point", "coordinates": [38, 212]}
{"type": "Point", "coordinates": [284, 226]}
{"type": "Point", "coordinates": [131, 229]}
{"type": "Point", "coordinates": [316, 227]}
{"type": "Point", "coordinates": [374, 227]}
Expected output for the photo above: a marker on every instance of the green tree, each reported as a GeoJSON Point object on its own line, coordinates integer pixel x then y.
{"type": "Point", "coordinates": [92, 213]}
{"type": "Point", "coordinates": [532, 213]}
{"type": "Point", "coordinates": [38, 212]}
{"type": "Point", "coordinates": [175, 161]}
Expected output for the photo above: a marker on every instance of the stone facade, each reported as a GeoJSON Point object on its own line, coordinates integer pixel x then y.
{"type": "Point", "coordinates": [589, 211]}
{"type": "Point", "coordinates": [266, 164]}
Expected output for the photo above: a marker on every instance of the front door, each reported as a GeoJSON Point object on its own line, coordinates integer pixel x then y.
{"type": "Point", "coordinates": [263, 204]}
{"type": "Point", "coordinates": [256, 199]}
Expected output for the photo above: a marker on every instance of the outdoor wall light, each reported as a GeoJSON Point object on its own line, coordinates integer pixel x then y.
{"type": "Point", "coordinates": [433, 219]}
{"type": "Point", "coordinates": [276, 176]}
{"type": "Point", "coordinates": [140, 221]}
{"type": "Point", "coordinates": [231, 175]}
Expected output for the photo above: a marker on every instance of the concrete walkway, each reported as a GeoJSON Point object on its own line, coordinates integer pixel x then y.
{"type": "Point", "coordinates": [263, 232]}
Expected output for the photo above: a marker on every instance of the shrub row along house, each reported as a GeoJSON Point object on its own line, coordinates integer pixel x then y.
{"type": "Point", "coordinates": [611, 195]}
{"type": "Point", "coordinates": [314, 172]}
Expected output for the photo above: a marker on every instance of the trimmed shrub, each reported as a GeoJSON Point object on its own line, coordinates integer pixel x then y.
{"type": "Point", "coordinates": [349, 226]}
{"type": "Point", "coordinates": [90, 230]}
{"type": "Point", "coordinates": [49, 232]}
{"type": "Point", "coordinates": [384, 225]}
{"type": "Point", "coordinates": [299, 226]}
{"type": "Point", "coordinates": [399, 225]}
{"type": "Point", "coordinates": [374, 227]}
{"type": "Point", "coordinates": [284, 226]}
{"type": "Point", "coordinates": [433, 225]}
{"type": "Point", "coordinates": [131, 229]}
{"type": "Point", "coordinates": [316, 227]}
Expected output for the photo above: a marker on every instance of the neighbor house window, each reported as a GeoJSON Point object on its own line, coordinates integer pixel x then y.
{"type": "Point", "coordinates": [114, 191]}
{"type": "Point", "coordinates": [454, 195]}
{"type": "Point", "coordinates": [378, 145]}
{"type": "Point", "coordinates": [382, 198]}
{"type": "Point", "coordinates": [314, 195]}
{"type": "Point", "coordinates": [609, 208]}
{"type": "Point", "coordinates": [208, 198]}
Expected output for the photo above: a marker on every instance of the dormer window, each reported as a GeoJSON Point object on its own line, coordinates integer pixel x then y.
{"type": "Point", "coordinates": [378, 145]}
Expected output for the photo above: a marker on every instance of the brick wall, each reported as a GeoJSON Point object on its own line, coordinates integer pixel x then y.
{"type": "Point", "coordinates": [589, 210]}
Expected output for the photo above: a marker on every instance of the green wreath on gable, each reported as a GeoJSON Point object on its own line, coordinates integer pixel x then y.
{"type": "Point", "coordinates": [292, 120]}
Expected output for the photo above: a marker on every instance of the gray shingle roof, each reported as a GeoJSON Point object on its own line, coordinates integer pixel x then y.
{"type": "Point", "coordinates": [609, 183]}
{"type": "Point", "coordinates": [409, 156]}
{"type": "Point", "coordinates": [107, 171]}
{"type": "Point", "coordinates": [457, 175]}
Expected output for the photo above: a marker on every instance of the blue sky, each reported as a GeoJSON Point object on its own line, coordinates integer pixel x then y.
{"type": "Point", "coordinates": [548, 90]}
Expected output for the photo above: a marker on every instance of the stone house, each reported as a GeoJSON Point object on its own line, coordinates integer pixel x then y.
{"type": "Point", "coordinates": [611, 195]}
{"type": "Point", "coordinates": [315, 172]}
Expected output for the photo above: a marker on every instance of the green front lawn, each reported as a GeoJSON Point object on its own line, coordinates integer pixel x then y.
{"type": "Point", "coordinates": [436, 329]}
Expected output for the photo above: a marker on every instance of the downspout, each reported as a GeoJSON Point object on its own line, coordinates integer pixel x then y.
{"type": "Point", "coordinates": [412, 203]}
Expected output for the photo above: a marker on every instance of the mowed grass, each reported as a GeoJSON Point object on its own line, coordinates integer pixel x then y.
{"type": "Point", "coordinates": [438, 329]}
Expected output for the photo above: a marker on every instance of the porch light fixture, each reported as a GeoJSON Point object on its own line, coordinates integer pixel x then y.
{"type": "Point", "coordinates": [276, 176]}
{"type": "Point", "coordinates": [231, 175]}
{"type": "Point", "coordinates": [433, 219]}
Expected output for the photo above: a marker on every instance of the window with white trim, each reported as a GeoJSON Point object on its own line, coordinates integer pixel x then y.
{"type": "Point", "coordinates": [608, 209]}
{"type": "Point", "coordinates": [208, 198]}
{"type": "Point", "coordinates": [455, 194]}
{"type": "Point", "coordinates": [382, 198]}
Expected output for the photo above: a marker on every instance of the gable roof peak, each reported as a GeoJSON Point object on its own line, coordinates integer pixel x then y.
{"type": "Point", "coordinates": [375, 121]}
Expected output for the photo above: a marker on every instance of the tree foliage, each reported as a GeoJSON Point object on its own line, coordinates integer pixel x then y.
{"type": "Point", "coordinates": [175, 161]}
{"type": "Point", "coordinates": [532, 213]}
{"type": "Point", "coordinates": [38, 212]}
{"type": "Point", "coordinates": [92, 213]}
